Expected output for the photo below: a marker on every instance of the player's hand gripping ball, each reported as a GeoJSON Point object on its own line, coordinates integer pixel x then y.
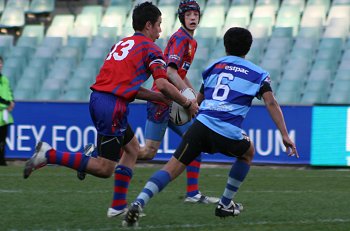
{"type": "Point", "coordinates": [178, 114]}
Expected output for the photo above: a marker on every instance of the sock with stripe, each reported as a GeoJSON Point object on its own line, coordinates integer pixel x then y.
{"type": "Point", "coordinates": [74, 160]}
{"type": "Point", "coordinates": [237, 174]}
{"type": "Point", "coordinates": [122, 177]}
{"type": "Point", "coordinates": [154, 185]}
{"type": "Point", "coordinates": [192, 176]}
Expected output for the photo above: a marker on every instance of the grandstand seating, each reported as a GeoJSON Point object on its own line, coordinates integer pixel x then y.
{"type": "Point", "coordinates": [303, 44]}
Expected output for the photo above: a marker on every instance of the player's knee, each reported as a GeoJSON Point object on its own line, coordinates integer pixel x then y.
{"type": "Point", "coordinates": [249, 155]}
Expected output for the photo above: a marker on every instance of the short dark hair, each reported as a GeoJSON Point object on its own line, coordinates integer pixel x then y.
{"type": "Point", "coordinates": [237, 41]}
{"type": "Point", "coordinates": [143, 13]}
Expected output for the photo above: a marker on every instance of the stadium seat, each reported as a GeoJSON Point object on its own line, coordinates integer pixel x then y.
{"type": "Point", "coordinates": [168, 3]}
{"type": "Point", "coordinates": [123, 3]}
{"type": "Point", "coordinates": [275, 54]}
{"type": "Point", "coordinates": [288, 97]}
{"type": "Point", "coordinates": [50, 89]}
{"type": "Point", "coordinates": [329, 54]}
{"type": "Point", "coordinates": [84, 75]}
{"type": "Point", "coordinates": [69, 53]}
{"type": "Point", "coordinates": [48, 53]}
{"type": "Point", "coordinates": [300, 4]}
{"type": "Point", "coordinates": [63, 20]}
{"type": "Point", "coordinates": [289, 16]}
{"type": "Point", "coordinates": [114, 17]}
{"type": "Point", "coordinates": [36, 31]}
{"type": "Point", "coordinates": [93, 11]}
{"type": "Point", "coordinates": [314, 97]}
{"type": "Point", "coordinates": [337, 28]}
{"type": "Point", "coordinates": [24, 4]}
{"type": "Point", "coordinates": [80, 43]}
{"type": "Point", "coordinates": [12, 17]}
{"type": "Point", "coordinates": [54, 43]}
{"type": "Point", "coordinates": [41, 6]}
{"type": "Point", "coordinates": [76, 84]}
{"type": "Point", "coordinates": [33, 73]}
{"type": "Point", "coordinates": [2, 6]}
{"type": "Point", "coordinates": [13, 74]}
{"type": "Point", "coordinates": [236, 13]}
{"type": "Point", "coordinates": [103, 43]}
{"type": "Point", "coordinates": [282, 43]}
{"type": "Point", "coordinates": [274, 67]}
{"type": "Point", "coordinates": [314, 11]}
{"type": "Point", "coordinates": [282, 32]}
{"type": "Point", "coordinates": [250, 3]}
{"type": "Point", "coordinates": [6, 43]}
{"type": "Point", "coordinates": [214, 3]}
{"type": "Point", "coordinates": [338, 11]}
{"type": "Point", "coordinates": [319, 80]}
{"type": "Point", "coordinates": [108, 32]}
{"type": "Point", "coordinates": [274, 3]}
{"type": "Point", "coordinates": [20, 52]}
{"type": "Point", "coordinates": [18, 63]}
{"type": "Point", "coordinates": [22, 94]}
{"type": "Point", "coordinates": [40, 63]}
{"type": "Point", "coordinates": [26, 84]}
{"type": "Point", "coordinates": [333, 43]}
{"type": "Point", "coordinates": [342, 75]}
{"type": "Point", "coordinates": [340, 93]}
{"type": "Point", "coordinates": [73, 95]}
{"type": "Point", "coordinates": [61, 26]}
{"type": "Point", "coordinates": [25, 41]}
{"type": "Point", "coordinates": [214, 16]}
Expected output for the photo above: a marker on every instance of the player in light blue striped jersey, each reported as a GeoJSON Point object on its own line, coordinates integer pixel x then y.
{"type": "Point", "coordinates": [229, 87]}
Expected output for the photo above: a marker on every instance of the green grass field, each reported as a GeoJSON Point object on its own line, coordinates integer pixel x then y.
{"type": "Point", "coordinates": [282, 199]}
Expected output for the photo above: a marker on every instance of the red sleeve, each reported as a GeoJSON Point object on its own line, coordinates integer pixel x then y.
{"type": "Point", "coordinates": [157, 64]}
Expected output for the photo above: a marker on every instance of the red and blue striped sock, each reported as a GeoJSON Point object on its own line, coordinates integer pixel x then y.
{"type": "Point", "coordinates": [74, 160]}
{"type": "Point", "coordinates": [122, 177]}
{"type": "Point", "coordinates": [192, 176]}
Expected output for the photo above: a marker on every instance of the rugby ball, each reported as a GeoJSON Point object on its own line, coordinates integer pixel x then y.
{"type": "Point", "coordinates": [178, 114]}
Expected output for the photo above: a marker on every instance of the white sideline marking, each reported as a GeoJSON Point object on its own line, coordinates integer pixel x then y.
{"type": "Point", "coordinates": [191, 226]}
{"type": "Point", "coordinates": [172, 191]}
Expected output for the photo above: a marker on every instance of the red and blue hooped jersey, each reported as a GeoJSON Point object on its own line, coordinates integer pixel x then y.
{"type": "Point", "coordinates": [129, 64]}
{"type": "Point", "coordinates": [180, 50]}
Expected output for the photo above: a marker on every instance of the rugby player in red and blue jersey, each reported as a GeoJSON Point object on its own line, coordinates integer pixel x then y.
{"type": "Point", "coordinates": [129, 64]}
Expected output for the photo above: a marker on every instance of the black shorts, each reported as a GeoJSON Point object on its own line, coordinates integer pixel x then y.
{"type": "Point", "coordinates": [200, 138]}
{"type": "Point", "coordinates": [110, 147]}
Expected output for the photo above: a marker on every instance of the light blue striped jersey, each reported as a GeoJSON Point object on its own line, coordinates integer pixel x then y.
{"type": "Point", "coordinates": [230, 85]}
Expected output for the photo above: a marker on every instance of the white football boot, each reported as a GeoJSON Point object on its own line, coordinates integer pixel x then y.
{"type": "Point", "coordinates": [38, 159]}
{"type": "Point", "coordinates": [199, 198]}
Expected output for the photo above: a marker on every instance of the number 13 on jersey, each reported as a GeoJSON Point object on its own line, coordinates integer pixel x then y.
{"type": "Point", "coordinates": [121, 50]}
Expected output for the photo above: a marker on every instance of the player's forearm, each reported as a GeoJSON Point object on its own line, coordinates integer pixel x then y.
{"type": "Point", "coordinates": [171, 92]}
{"type": "Point", "coordinates": [145, 94]}
{"type": "Point", "coordinates": [188, 83]}
{"type": "Point", "coordinates": [277, 116]}
{"type": "Point", "coordinates": [175, 79]}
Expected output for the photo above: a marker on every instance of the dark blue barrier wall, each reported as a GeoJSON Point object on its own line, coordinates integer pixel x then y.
{"type": "Point", "coordinates": [67, 126]}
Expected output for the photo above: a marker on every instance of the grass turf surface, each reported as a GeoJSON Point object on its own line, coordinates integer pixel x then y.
{"type": "Point", "coordinates": [283, 199]}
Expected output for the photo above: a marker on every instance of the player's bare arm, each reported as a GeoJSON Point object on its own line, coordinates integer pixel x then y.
{"type": "Point", "coordinates": [277, 116]}
{"type": "Point", "coordinates": [175, 79]}
{"type": "Point", "coordinates": [188, 83]}
{"type": "Point", "coordinates": [148, 95]}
